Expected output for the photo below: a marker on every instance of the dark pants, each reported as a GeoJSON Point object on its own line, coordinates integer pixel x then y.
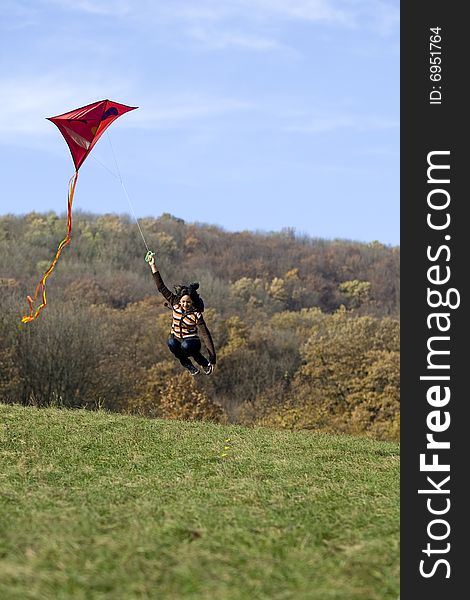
{"type": "Point", "coordinates": [183, 349]}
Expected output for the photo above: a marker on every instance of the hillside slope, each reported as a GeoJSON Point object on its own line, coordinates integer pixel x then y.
{"type": "Point", "coordinates": [96, 505]}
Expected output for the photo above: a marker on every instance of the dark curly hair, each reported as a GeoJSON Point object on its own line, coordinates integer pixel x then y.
{"type": "Point", "coordinates": [191, 291]}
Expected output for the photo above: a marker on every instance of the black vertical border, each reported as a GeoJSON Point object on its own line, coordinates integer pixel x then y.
{"type": "Point", "coordinates": [426, 128]}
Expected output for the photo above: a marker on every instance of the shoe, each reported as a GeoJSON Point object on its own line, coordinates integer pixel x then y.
{"type": "Point", "coordinates": [208, 370]}
{"type": "Point", "coordinates": [192, 369]}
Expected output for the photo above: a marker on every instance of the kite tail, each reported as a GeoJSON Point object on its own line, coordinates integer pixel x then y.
{"type": "Point", "coordinates": [41, 286]}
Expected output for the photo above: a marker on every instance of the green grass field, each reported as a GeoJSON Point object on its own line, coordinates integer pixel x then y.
{"type": "Point", "coordinates": [104, 506]}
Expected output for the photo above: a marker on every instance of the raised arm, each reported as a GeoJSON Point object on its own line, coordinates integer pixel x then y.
{"type": "Point", "coordinates": [161, 287]}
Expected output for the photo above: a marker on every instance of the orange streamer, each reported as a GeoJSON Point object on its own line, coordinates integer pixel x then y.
{"type": "Point", "coordinates": [41, 287]}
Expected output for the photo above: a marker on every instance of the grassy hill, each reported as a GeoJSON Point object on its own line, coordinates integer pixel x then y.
{"type": "Point", "coordinates": [100, 506]}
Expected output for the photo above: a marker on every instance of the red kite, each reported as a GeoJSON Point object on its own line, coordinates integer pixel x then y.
{"type": "Point", "coordinates": [81, 128]}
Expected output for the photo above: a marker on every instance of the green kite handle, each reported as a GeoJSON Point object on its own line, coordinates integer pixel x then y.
{"type": "Point", "coordinates": [149, 255]}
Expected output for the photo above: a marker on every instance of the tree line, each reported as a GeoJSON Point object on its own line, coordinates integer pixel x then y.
{"type": "Point", "coordinates": [306, 329]}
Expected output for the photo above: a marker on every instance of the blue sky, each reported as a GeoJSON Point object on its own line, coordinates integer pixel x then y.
{"type": "Point", "coordinates": [253, 114]}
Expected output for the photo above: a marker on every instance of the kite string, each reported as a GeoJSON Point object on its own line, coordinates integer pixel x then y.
{"type": "Point", "coordinates": [125, 191]}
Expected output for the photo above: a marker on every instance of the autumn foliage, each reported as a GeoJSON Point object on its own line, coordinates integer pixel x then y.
{"type": "Point", "coordinates": [306, 330]}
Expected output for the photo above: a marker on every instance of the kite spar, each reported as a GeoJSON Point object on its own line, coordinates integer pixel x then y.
{"type": "Point", "coordinates": [81, 128]}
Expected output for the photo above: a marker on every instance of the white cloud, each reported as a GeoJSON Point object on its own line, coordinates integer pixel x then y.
{"type": "Point", "coordinates": [267, 25]}
{"type": "Point", "coordinates": [215, 39]}
{"type": "Point", "coordinates": [114, 8]}
{"type": "Point", "coordinates": [28, 100]}
{"type": "Point", "coordinates": [384, 13]}
{"type": "Point", "coordinates": [381, 16]}
{"type": "Point", "coordinates": [322, 123]}
{"type": "Point", "coordinates": [304, 10]}
{"type": "Point", "coordinates": [180, 110]}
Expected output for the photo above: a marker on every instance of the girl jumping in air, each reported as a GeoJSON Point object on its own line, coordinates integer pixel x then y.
{"type": "Point", "coordinates": [187, 325]}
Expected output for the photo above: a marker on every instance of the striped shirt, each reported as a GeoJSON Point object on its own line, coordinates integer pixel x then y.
{"type": "Point", "coordinates": [184, 324]}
